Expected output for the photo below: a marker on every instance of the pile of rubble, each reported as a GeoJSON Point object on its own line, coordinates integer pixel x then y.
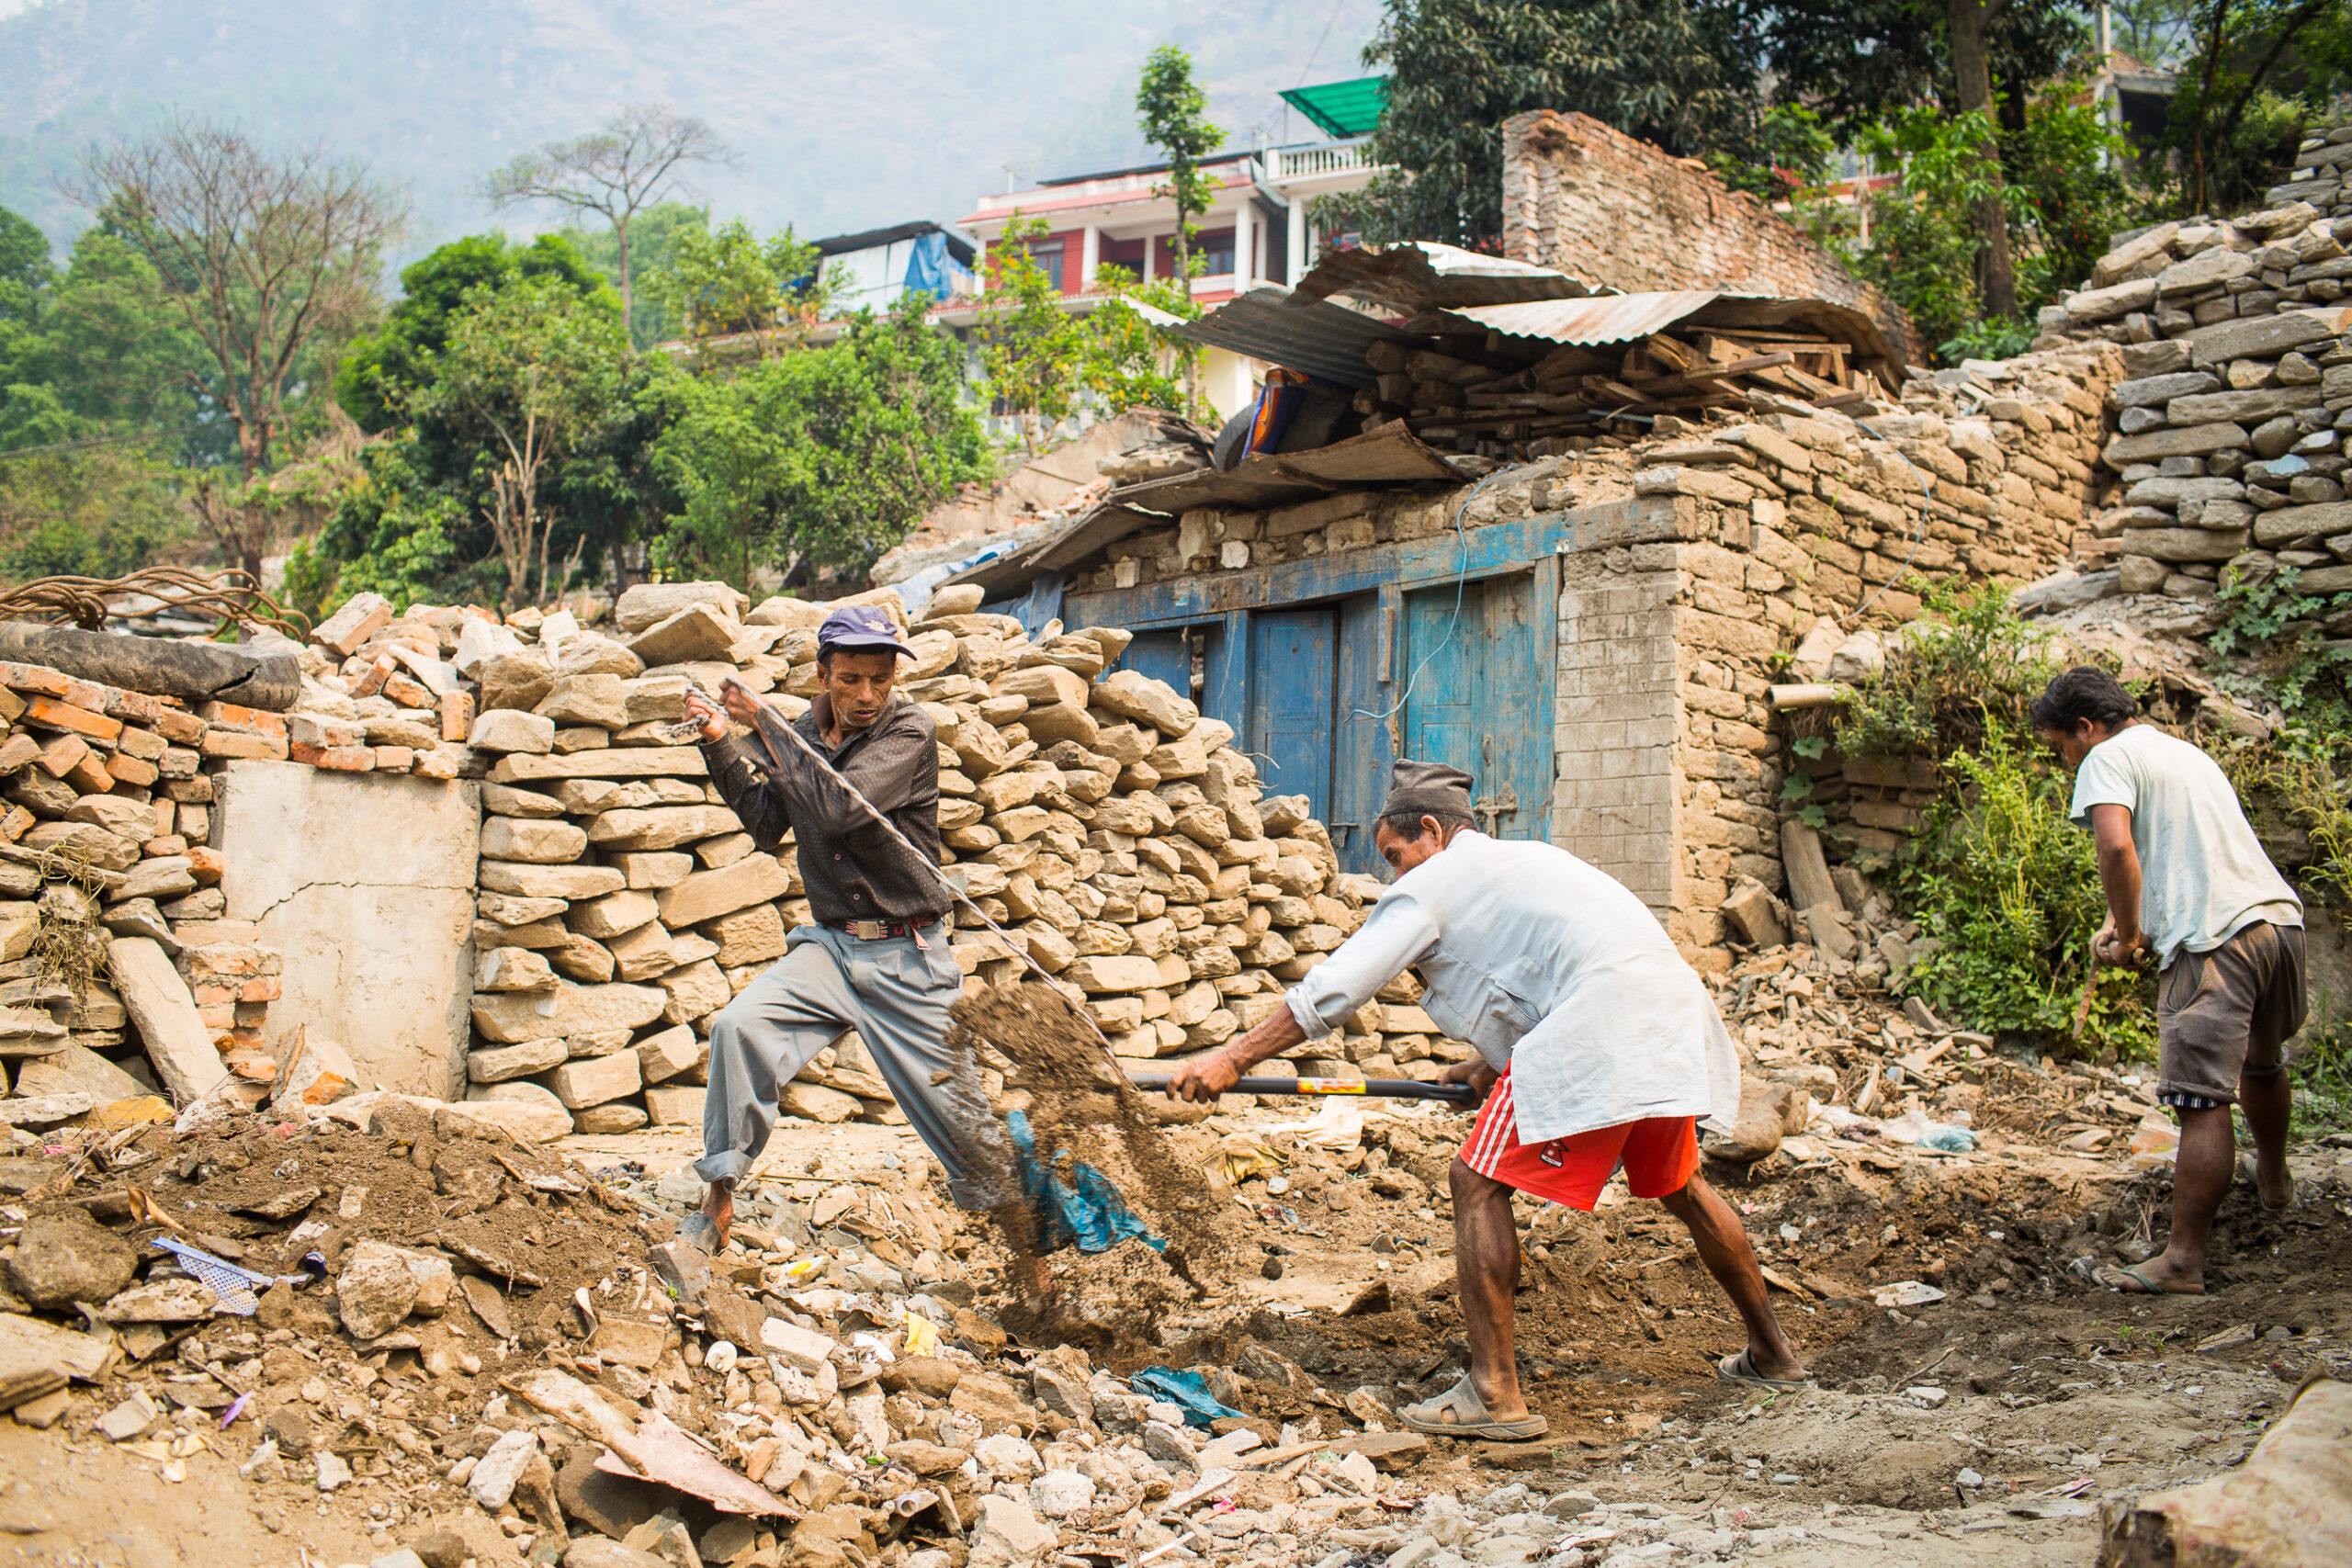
{"type": "Point", "coordinates": [111, 931]}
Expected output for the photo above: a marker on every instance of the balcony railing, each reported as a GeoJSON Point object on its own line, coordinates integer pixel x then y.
{"type": "Point", "coordinates": [1314, 163]}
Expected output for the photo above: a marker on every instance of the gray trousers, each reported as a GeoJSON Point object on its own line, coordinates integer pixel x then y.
{"type": "Point", "coordinates": [895, 994]}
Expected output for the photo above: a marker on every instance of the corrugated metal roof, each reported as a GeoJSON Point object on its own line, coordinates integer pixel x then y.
{"type": "Point", "coordinates": [1626, 317]}
{"type": "Point", "coordinates": [1424, 275]}
{"type": "Point", "coordinates": [1313, 335]}
{"type": "Point", "coordinates": [1611, 319]}
{"type": "Point", "coordinates": [1343, 109]}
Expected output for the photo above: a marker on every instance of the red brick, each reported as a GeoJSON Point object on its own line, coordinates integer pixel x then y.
{"type": "Point", "coordinates": [395, 759]}
{"type": "Point", "coordinates": [34, 678]}
{"type": "Point", "coordinates": [205, 864]}
{"type": "Point", "coordinates": [15, 823]}
{"type": "Point", "coordinates": [334, 759]}
{"type": "Point", "coordinates": [252, 721]}
{"type": "Point", "coordinates": [235, 743]}
{"type": "Point", "coordinates": [219, 1017]}
{"type": "Point", "coordinates": [62, 755]}
{"type": "Point", "coordinates": [11, 704]}
{"type": "Point", "coordinates": [133, 707]}
{"type": "Point", "coordinates": [90, 776]}
{"type": "Point", "coordinates": [143, 744]}
{"type": "Point", "coordinates": [179, 727]}
{"type": "Point", "coordinates": [51, 713]}
{"type": "Point", "coordinates": [456, 717]}
{"type": "Point", "coordinates": [371, 680]}
{"type": "Point", "coordinates": [179, 762]}
{"type": "Point", "coordinates": [407, 693]}
{"type": "Point", "coordinates": [127, 769]}
{"type": "Point", "coordinates": [20, 750]}
{"type": "Point", "coordinates": [194, 790]}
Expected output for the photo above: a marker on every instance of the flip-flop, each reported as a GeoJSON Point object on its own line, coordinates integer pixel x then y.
{"type": "Point", "coordinates": [2114, 1275]}
{"type": "Point", "coordinates": [2245, 1172]}
{"type": "Point", "coordinates": [1741, 1368]}
{"type": "Point", "coordinates": [1471, 1417]}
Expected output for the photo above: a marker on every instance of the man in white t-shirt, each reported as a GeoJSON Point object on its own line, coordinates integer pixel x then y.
{"type": "Point", "coordinates": [2187, 887]}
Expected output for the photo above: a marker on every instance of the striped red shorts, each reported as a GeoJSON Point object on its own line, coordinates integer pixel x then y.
{"type": "Point", "coordinates": [1659, 1154]}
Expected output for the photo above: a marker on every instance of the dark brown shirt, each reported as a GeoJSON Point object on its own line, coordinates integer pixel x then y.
{"type": "Point", "coordinates": [853, 871]}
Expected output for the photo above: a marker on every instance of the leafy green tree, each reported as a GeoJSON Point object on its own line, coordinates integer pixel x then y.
{"type": "Point", "coordinates": [99, 510]}
{"type": "Point", "coordinates": [825, 456]}
{"type": "Point", "coordinates": [1128, 359]}
{"type": "Point", "coordinates": [403, 532]}
{"type": "Point", "coordinates": [728, 282]}
{"type": "Point", "coordinates": [653, 242]}
{"type": "Point", "coordinates": [1677, 73]}
{"type": "Point", "coordinates": [1173, 114]}
{"type": "Point", "coordinates": [1795, 156]}
{"type": "Point", "coordinates": [536, 368]}
{"type": "Point", "coordinates": [383, 370]}
{"type": "Point", "coordinates": [1030, 346]}
{"type": "Point", "coordinates": [270, 261]}
{"type": "Point", "coordinates": [2226, 125]}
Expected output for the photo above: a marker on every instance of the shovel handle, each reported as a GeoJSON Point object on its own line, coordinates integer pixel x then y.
{"type": "Point", "coordinates": [1380, 1088]}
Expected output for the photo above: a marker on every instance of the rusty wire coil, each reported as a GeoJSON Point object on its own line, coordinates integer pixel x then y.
{"type": "Point", "coordinates": [231, 594]}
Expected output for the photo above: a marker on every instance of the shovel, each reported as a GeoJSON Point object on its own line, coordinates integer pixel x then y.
{"type": "Point", "coordinates": [1381, 1088]}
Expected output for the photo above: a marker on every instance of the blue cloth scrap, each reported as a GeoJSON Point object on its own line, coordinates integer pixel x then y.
{"type": "Point", "coordinates": [1087, 1213]}
{"type": "Point", "coordinates": [1189, 1392]}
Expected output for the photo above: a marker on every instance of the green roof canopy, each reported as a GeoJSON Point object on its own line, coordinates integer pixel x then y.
{"type": "Point", "coordinates": [1343, 109]}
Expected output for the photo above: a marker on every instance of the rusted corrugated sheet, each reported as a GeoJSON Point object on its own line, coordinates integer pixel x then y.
{"type": "Point", "coordinates": [1313, 335]}
{"type": "Point", "coordinates": [1424, 275]}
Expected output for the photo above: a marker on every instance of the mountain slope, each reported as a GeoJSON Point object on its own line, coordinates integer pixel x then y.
{"type": "Point", "coordinates": [845, 117]}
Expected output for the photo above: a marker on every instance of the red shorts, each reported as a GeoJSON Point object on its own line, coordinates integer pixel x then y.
{"type": "Point", "coordinates": [1659, 1153]}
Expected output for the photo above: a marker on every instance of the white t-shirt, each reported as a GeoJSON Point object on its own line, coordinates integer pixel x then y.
{"type": "Point", "coordinates": [2204, 876]}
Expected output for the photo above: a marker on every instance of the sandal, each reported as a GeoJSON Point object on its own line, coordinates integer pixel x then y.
{"type": "Point", "coordinates": [1471, 1417]}
{"type": "Point", "coordinates": [1741, 1368]}
{"type": "Point", "coordinates": [2127, 1281]}
{"type": "Point", "coordinates": [2246, 1174]}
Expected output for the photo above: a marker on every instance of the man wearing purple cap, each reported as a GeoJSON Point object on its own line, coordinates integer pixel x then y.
{"type": "Point", "coordinates": [875, 959]}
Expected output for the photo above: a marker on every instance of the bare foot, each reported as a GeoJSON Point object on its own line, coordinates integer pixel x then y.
{"type": "Point", "coordinates": [2274, 1183]}
{"type": "Point", "coordinates": [719, 1207]}
{"type": "Point", "coordinates": [1779, 1368]}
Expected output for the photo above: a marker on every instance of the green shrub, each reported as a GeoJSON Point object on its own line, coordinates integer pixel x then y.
{"type": "Point", "coordinates": [1949, 680]}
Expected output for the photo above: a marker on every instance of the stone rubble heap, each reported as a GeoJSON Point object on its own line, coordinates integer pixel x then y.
{"type": "Point", "coordinates": [105, 873]}
{"type": "Point", "coordinates": [1118, 836]}
{"type": "Point", "coordinates": [2319, 176]}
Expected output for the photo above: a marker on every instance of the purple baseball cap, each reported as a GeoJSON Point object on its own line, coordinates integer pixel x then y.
{"type": "Point", "coordinates": [860, 628]}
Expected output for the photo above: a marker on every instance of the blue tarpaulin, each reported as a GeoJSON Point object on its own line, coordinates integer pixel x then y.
{"type": "Point", "coordinates": [1189, 1392]}
{"type": "Point", "coordinates": [1087, 1212]}
{"type": "Point", "coordinates": [930, 270]}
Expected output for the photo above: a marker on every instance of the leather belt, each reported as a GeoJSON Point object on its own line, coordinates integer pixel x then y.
{"type": "Point", "coordinates": [875, 930]}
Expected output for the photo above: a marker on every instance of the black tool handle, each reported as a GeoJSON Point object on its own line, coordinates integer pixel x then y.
{"type": "Point", "coordinates": [1379, 1088]}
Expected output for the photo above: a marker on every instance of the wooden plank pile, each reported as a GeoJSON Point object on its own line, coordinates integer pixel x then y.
{"type": "Point", "coordinates": [1520, 398]}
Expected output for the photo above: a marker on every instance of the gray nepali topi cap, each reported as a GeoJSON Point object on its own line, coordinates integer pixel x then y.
{"type": "Point", "coordinates": [860, 628]}
{"type": "Point", "coordinates": [1430, 789]}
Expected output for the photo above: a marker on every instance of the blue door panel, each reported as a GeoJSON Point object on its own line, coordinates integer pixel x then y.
{"type": "Point", "coordinates": [1481, 695]}
{"type": "Point", "coordinates": [1363, 734]}
{"type": "Point", "coordinates": [1290, 674]}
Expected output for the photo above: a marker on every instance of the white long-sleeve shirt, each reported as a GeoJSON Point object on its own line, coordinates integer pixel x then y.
{"type": "Point", "coordinates": [1551, 968]}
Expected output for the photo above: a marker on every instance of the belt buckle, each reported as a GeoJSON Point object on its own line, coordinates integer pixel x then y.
{"type": "Point", "coordinates": [866, 930]}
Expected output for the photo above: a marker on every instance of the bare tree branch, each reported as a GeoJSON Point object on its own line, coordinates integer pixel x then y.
{"type": "Point", "coordinates": [270, 259]}
{"type": "Point", "coordinates": [634, 163]}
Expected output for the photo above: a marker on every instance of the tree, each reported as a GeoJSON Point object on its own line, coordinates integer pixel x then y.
{"type": "Point", "coordinates": [269, 260]}
{"type": "Point", "coordinates": [825, 456]}
{"type": "Point", "coordinates": [1029, 346]}
{"type": "Point", "coordinates": [539, 368]}
{"type": "Point", "coordinates": [636, 162]}
{"type": "Point", "coordinates": [726, 282]}
{"type": "Point", "coordinates": [382, 371]}
{"type": "Point", "coordinates": [1676, 73]}
{"type": "Point", "coordinates": [2239, 46]}
{"type": "Point", "coordinates": [1864, 63]}
{"type": "Point", "coordinates": [652, 241]}
{"type": "Point", "coordinates": [1173, 112]}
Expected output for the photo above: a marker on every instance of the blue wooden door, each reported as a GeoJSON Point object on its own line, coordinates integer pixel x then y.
{"type": "Point", "coordinates": [1162, 656]}
{"type": "Point", "coordinates": [1291, 689]}
{"type": "Point", "coordinates": [1363, 731]}
{"type": "Point", "coordinates": [1478, 662]}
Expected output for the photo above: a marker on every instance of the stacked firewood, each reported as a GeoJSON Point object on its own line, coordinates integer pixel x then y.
{"type": "Point", "coordinates": [1519, 397]}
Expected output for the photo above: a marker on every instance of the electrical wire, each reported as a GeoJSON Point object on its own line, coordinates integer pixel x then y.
{"type": "Point", "coordinates": [1461, 581]}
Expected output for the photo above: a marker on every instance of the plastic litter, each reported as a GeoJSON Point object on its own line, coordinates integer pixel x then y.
{"type": "Point", "coordinates": [1085, 1211]}
{"type": "Point", "coordinates": [1189, 1392]}
{"type": "Point", "coordinates": [1949, 1140]}
{"type": "Point", "coordinates": [233, 1285]}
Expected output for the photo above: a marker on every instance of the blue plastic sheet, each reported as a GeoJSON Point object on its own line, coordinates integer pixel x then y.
{"type": "Point", "coordinates": [1087, 1213]}
{"type": "Point", "coordinates": [1189, 1392]}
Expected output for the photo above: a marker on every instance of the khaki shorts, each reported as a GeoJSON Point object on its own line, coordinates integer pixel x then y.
{"type": "Point", "coordinates": [2227, 1013]}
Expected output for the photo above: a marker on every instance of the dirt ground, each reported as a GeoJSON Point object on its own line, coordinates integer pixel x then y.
{"type": "Point", "coordinates": [1985, 1426]}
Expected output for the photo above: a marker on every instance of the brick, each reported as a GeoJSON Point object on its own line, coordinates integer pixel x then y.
{"type": "Point", "coordinates": [333, 758]}
{"type": "Point", "coordinates": [53, 713]}
{"type": "Point", "coordinates": [252, 721]}
{"type": "Point", "coordinates": [89, 775]}
{"type": "Point", "coordinates": [179, 727]}
{"type": "Point", "coordinates": [231, 743]}
{"type": "Point", "coordinates": [145, 744]}
{"type": "Point", "coordinates": [456, 717]}
{"type": "Point", "coordinates": [130, 770]}
{"type": "Point", "coordinates": [34, 679]}
{"type": "Point", "coordinates": [62, 755]}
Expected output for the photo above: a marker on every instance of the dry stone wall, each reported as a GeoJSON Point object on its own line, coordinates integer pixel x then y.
{"type": "Point", "coordinates": [2235, 408]}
